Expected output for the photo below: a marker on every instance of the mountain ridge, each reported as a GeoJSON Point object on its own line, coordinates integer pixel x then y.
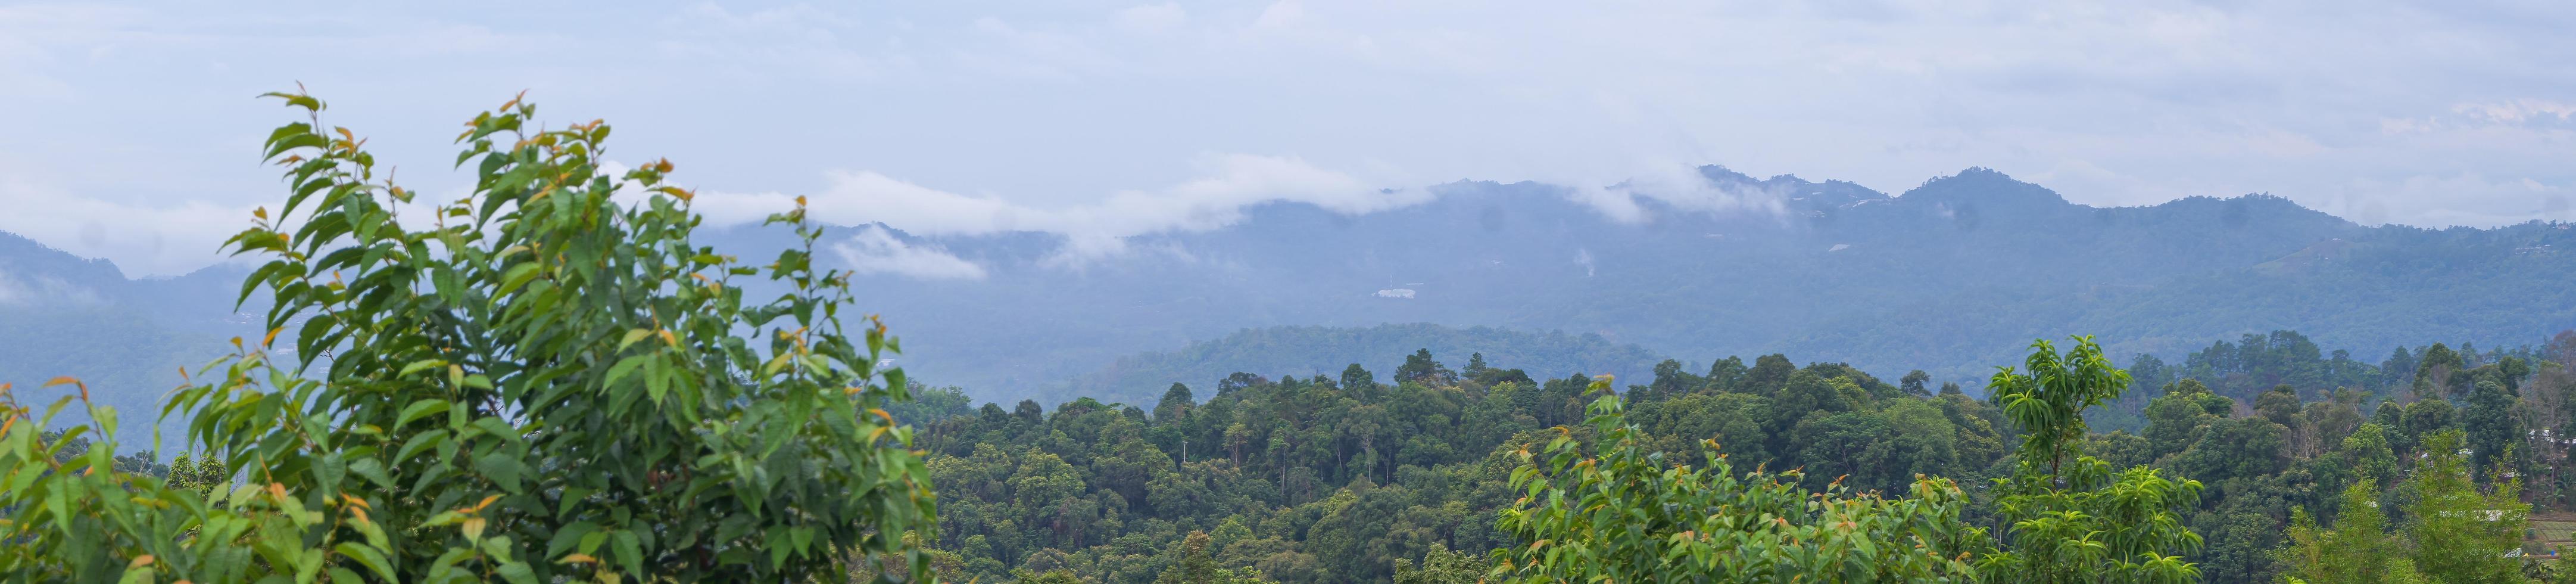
{"type": "Point", "coordinates": [1841, 272]}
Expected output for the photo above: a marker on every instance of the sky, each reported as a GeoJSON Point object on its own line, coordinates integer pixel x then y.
{"type": "Point", "coordinates": [129, 130]}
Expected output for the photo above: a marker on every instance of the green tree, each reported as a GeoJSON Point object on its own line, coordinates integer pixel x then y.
{"type": "Point", "coordinates": [543, 380]}
{"type": "Point", "coordinates": [1359, 380]}
{"type": "Point", "coordinates": [1618, 511]}
{"type": "Point", "coordinates": [1806, 393]}
{"type": "Point", "coordinates": [1441, 566]}
{"type": "Point", "coordinates": [1769, 374]}
{"type": "Point", "coordinates": [2358, 550]}
{"type": "Point", "coordinates": [2081, 522]}
{"type": "Point", "coordinates": [2492, 427]}
{"type": "Point", "coordinates": [2175, 419]}
{"type": "Point", "coordinates": [2367, 453]}
{"type": "Point", "coordinates": [1419, 368]}
{"type": "Point", "coordinates": [2237, 448]}
{"type": "Point", "coordinates": [2461, 533]}
{"type": "Point", "coordinates": [2426, 417]}
{"type": "Point", "coordinates": [1175, 404]}
{"type": "Point", "coordinates": [1197, 567]}
{"type": "Point", "coordinates": [1913, 383]}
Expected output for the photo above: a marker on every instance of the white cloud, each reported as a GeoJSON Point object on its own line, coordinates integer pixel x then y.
{"type": "Point", "coordinates": [156, 238]}
{"type": "Point", "coordinates": [1683, 187]}
{"type": "Point", "coordinates": [2443, 200]}
{"type": "Point", "coordinates": [42, 290]}
{"type": "Point", "coordinates": [1229, 183]}
{"type": "Point", "coordinates": [875, 251]}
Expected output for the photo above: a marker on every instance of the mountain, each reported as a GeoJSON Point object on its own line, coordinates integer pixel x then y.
{"type": "Point", "coordinates": [62, 315]}
{"type": "Point", "coordinates": [1950, 276]}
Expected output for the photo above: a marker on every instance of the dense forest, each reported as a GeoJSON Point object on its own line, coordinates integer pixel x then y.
{"type": "Point", "coordinates": [1315, 350]}
{"type": "Point", "coordinates": [1350, 477]}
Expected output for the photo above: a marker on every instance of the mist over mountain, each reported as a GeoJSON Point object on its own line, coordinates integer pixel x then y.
{"type": "Point", "coordinates": [1950, 276]}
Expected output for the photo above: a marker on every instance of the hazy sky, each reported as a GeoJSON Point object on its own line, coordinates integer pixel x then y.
{"type": "Point", "coordinates": [128, 129]}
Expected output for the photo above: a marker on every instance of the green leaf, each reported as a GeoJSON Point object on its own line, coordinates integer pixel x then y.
{"type": "Point", "coordinates": [622, 368]}
{"type": "Point", "coordinates": [631, 337]}
{"type": "Point", "coordinates": [630, 551]}
{"type": "Point", "coordinates": [517, 573]}
{"type": "Point", "coordinates": [517, 276]}
{"type": "Point", "coordinates": [422, 407]}
{"type": "Point", "coordinates": [369, 557]}
{"type": "Point", "coordinates": [567, 537]}
{"type": "Point", "coordinates": [416, 366]}
{"type": "Point", "coordinates": [501, 468]}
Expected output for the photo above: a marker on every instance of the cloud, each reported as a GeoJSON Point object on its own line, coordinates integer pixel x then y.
{"type": "Point", "coordinates": [1679, 186]}
{"type": "Point", "coordinates": [43, 290]}
{"type": "Point", "coordinates": [875, 251]}
{"type": "Point", "coordinates": [2466, 198]}
{"type": "Point", "coordinates": [1228, 184]}
{"type": "Point", "coordinates": [142, 238]}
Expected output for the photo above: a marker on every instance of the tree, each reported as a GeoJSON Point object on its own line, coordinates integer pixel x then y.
{"type": "Point", "coordinates": [2367, 453]}
{"type": "Point", "coordinates": [2358, 550]}
{"type": "Point", "coordinates": [1913, 383]}
{"type": "Point", "coordinates": [2237, 447]}
{"type": "Point", "coordinates": [1176, 403]}
{"type": "Point", "coordinates": [2491, 424]}
{"type": "Point", "coordinates": [1804, 394]}
{"type": "Point", "coordinates": [1855, 448]}
{"type": "Point", "coordinates": [1419, 368]}
{"type": "Point", "coordinates": [1619, 511]}
{"type": "Point", "coordinates": [1727, 375]}
{"type": "Point", "coordinates": [2280, 405]}
{"type": "Point", "coordinates": [201, 476]}
{"type": "Point", "coordinates": [2426, 417]}
{"type": "Point", "coordinates": [1671, 380]}
{"type": "Point", "coordinates": [543, 380]}
{"type": "Point", "coordinates": [1197, 567]}
{"type": "Point", "coordinates": [1441, 566]}
{"type": "Point", "coordinates": [1360, 381]}
{"type": "Point", "coordinates": [2433, 372]}
{"type": "Point", "coordinates": [2461, 534]}
{"type": "Point", "coordinates": [2175, 419]}
{"type": "Point", "coordinates": [2080, 522]}
{"type": "Point", "coordinates": [1769, 374]}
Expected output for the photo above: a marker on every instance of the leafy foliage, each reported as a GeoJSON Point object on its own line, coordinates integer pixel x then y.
{"type": "Point", "coordinates": [542, 382]}
{"type": "Point", "coordinates": [1622, 514]}
{"type": "Point", "coordinates": [2082, 522]}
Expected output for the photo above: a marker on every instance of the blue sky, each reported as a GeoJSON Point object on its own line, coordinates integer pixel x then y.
{"type": "Point", "coordinates": [128, 131]}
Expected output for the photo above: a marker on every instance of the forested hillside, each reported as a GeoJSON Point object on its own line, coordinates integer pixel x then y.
{"type": "Point", "coordinates": [61, 315]}
{"type": "Point", "coordinates": [1946, 277]}
{"type": "Point", "coordinates": [1345, 476]}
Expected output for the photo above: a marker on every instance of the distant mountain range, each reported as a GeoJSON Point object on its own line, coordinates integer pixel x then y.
{"type": "Point", "coordinates": [1954, 276]}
